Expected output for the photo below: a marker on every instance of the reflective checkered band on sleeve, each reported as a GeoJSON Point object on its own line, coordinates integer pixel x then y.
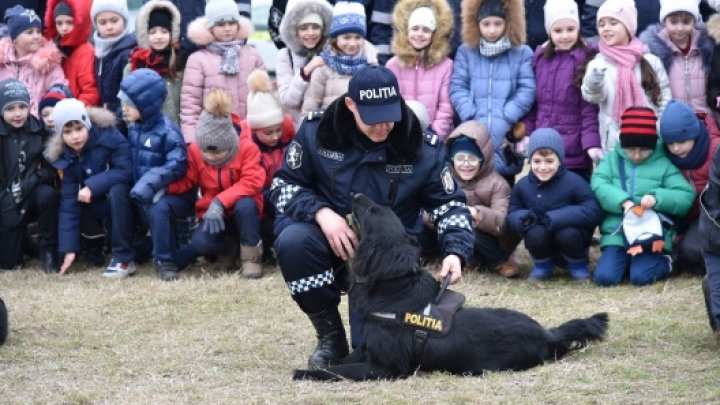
{"type": "Point", "coordinates": [454, 221]}
{"type": "Point", "coordinates": [287, 192]}
{"type": "Point", "coordinates": [443, 209]}
{"type": "Point", "coordinates": [314, 281]}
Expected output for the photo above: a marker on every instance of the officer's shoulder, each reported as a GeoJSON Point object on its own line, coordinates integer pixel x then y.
{"type": "Point", "coordinates": [430, 138]}
{"type": "Point", "coordinates": [315, 115]}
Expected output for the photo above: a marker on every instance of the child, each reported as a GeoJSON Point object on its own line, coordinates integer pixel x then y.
{"type": "Point", "coordinates": [689, 146]}
{"type": "Point", "coordinates": [421, 44]}
{"type": "Point", "coordinates": [158, 32]}
{"type": "Point", "coordinates": [637, 174]}
{"type": "Point", "coordinates": [113, 43]}
{"type": "Point", "coordinates": [25, 55]}
{"type": "Point", "coordinates": [304, 29]}
{"type": "Point", "coordinates": [682, 43]}
{"type": "Point", "coordinates": [559, 103]}
{"type": "Point", "coordinates": [271, 130]}
{"type": "Point", "coordinates": [224, 62]}
{"type": "Point", "coordinates": [624, 73]}
{"type": "Point", "coordinates": [47, 103]}
{"type": "Point", "coordinates": [26, 181]}
{"type": "Point", "coordinates": [159, 157]}
{"type": "Point", "coordinates": [492, 80]}
{"type": "Point", "coordinates": [227, 170]}
{"type": "Point", "coordinates": [346, 53]}
{"type": "Point", "coordinates": [709, 228]}
{"type": "Point", "coordinates": [67, 22]}
{"type": "Point", "coordinates": [554, 209]}
{"type": "Point", "coordinates": [471, 152]}
{"type": "Point", "coordinates": [97, 173]}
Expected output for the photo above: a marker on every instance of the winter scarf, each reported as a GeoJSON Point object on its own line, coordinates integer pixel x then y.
{"type": "Point", "coordinates": [490, 49]}
{"type": "Point", "coordinates": [697, 155]}
{"type": "Point", "coordinates": [344, 64]}
{"type": "Point", "coordinates": [148, 58]}
{"type": "Point", "coordinates": [103, 46]}
{"type": "Point", "coordinates": [229, 52]}
{"type": "Point", "coordinates": [628, 91]}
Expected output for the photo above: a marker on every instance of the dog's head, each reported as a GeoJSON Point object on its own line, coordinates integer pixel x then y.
{"type": "Point", "coordinates": [386, 251]}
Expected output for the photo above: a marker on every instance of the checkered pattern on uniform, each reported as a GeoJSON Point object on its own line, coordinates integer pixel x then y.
{"type": "Point", "coordinates": [287, 192]}
{"type": "Point", "coordinates": [314, 281]}
{"type": "Point", "coordinates": [454, 221]}
{"type": "Point", "coordinates": [443, 209]}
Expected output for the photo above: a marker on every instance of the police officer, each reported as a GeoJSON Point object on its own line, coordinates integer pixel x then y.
{"type": "Point", "coordinates": [367, 141]}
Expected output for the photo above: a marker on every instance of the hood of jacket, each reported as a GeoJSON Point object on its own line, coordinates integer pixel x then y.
{"type": "Point", "coordinates": [147, 93]}
{"type": "Point", "coordinates": [440, 45]}
{"type": "Point", "coordinates": [293, 15]}
{"type": "Point", "coordinates": [141, 22]}
{"type": "Point", "coordinates": [42, 61]}
{"type": "Point", "coordinates": [82, 25]}
{"type": "Point", "coordinates": [337, 129]}
{"type": "Point", "coordinates": [660, 48]}
{"type": "Point", "coordinates": [99, 117]}
{"type": "Point", "coordinates": [477, 131]}
{"type": "Point", "coordinates": [514, 23]}
{"type": "Point", "coordinates": [200, 35]}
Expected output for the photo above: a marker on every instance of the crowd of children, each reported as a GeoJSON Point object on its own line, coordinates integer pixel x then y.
{"type": "Point", "coordinates": [119, 137]}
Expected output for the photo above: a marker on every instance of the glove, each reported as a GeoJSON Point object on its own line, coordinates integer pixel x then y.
{"type": "Point", "coordinates": [213, 221]}
{"type": "Point", "coordinates": [596, 154]}
{"type": "Point", "coordinates": [596, 76]}
{"type": "Point", "coordinates": [522, 146]}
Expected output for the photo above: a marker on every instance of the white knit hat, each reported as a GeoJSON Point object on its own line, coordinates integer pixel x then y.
{"type": "Point", "coordinates": [221, 10]}
{"type": "Point", "coordinates": [348, 17]}
{"type": "Point", "coordinates": [424, 17]}
{"type": "Point", "coordinates": [691, 7]}
{"type": "Point", "coordinates": [69, 109]}
{"type": "Point", "coordinates": [263, 106]}
{"type": "Point", "coordinates": [114, 6]}
{"type": "Point", "coordinates": [311, 18]}
{"type": "Point", "coordinates": [560, 10]}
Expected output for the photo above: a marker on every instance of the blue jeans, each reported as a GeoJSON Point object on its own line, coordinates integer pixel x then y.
{"type": "Point", "coordinates": [645, 268]}
{"type": "Point", "coordinates": [712, 265]}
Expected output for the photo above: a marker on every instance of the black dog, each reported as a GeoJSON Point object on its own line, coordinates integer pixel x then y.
{"type": "Point", "coordinates": [3, 322]}
{"type": "Point", "coordinates": [399, 337]}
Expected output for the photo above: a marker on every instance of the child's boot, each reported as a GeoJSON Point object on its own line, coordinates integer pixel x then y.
{"type": "Point", "coordinates": [251, 256]}
{"type": "Point", "coordinates": [541, 271]}
{"type": "Point", "coordinates": [579, 271]}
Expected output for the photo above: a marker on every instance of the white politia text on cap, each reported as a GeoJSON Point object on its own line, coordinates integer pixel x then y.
{"type": "Point", "coordinates": [382, 92]}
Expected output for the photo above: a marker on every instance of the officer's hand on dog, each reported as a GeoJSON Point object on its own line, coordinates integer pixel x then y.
{"type": "Point", "coordinates": [341, 238]}
{"type": "Point", "coordinates": [452, 265]}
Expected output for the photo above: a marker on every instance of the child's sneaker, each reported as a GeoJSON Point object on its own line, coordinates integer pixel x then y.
{"type": "Point", "coordinates": [166, 270]}
{"type": "Point", "coordinates": [116, 269]}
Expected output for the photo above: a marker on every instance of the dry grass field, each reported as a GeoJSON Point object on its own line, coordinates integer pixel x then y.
{"type": "Point", "coordinates": [219, 339]}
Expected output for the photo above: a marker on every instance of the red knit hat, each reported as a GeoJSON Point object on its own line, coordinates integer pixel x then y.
{"type": "Point", "coordinates": [638, 128]}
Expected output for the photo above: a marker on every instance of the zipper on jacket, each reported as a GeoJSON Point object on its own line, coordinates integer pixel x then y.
{"type": "Point", "coordinates": [686, 72]}
{"type": "Point", "coordinates": [490, 98]}
{"type": "Point", "coordinates": [220, 187]}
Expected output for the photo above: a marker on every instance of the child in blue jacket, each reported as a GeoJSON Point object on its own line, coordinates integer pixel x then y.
{"type": "Point", "coordinates": [159, 157]}
{"type": "Point", "coordinates": [97, 173]}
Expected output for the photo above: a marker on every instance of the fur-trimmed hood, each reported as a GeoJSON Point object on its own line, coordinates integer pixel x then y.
{"type": "Point", "coordinates": [440, 45]}
{"type": "Point", "coordinates": [82, 25]}
{"type": "Point", "coordinates": [295, 11]}
{"type": "Point", "coordinates": [713, 27]}
{"type": "Point", "coordinates": [337, 129]}
{"type": "Point", "coordinates": [514, 23]}
{"type": "Point", "coordinates": [659, 47]}
{"type": "Point", "coordinates": [200, 35]}
{"type": "Point", "coordinates": [477, 131]}
{"type": "Point", "coordinates": [42, 61]}
{"type": "Point", "coordinates": [141, 22]}
{"type": "Point", "coordinates": [99, 117]}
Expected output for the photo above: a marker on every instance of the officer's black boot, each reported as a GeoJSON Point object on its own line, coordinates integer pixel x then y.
{"type": "Point", "coordinates": [332, 344]}
{"type": "Point", "coordinates": [49, 258]}
{"type": "Point", "coordinates": [706, 294]}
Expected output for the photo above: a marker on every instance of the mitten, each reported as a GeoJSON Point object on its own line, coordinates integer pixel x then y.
{"type": "Point", "coordinates": [596, 154]}
{"type": "Point", "coordinates": [213, 221]}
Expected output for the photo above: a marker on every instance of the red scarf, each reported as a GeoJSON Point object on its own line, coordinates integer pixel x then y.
{"type": "Point", "coordinates": [628, 91]}
{"type": "Point", "coordinates": [147, 58]}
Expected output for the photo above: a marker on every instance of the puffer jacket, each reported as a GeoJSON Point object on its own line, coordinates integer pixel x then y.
{"type": "Point", "coordinates": [202, 74]}
{"type": "Point", "coordinates": [103, 162]}
{"type": "Point", "coordinates": [157, 147]}
{"type": "Point", "coordinates": [78, 62]}
{"type": "Point", "coordinates": [687, 74]}
{"type": "Point", "coordinates": [109, 72]}
{"type": "Point", "coordinates": [487, 192]}
{"type": "Point", "coordinates": [656, 176]}
{"type": "Point", "coordinates": [38, 70]}
{"type": "Point", "coordinates": [270, 157]}
{"type": "Point", "coordinates": [559, 105]}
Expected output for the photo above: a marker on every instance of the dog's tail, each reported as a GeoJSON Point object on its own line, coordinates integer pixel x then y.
{"type": "Point", "coordinates": [575, 334]}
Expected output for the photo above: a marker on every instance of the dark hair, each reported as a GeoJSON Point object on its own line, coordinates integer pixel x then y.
{"type": "Point", "coordinates": [650, 82]}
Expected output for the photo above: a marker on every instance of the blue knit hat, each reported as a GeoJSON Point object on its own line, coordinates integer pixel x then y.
{"type": "Point", "coordinates": [348, 17]}
{"type": "Point", "coordinates": [464, 144]}
{"type": "Point", "coordinates": [679, 123]}
{"type": "Point", "coordinates": [18, 19]}
{"type": "Point", "coordinates": [546, 138]}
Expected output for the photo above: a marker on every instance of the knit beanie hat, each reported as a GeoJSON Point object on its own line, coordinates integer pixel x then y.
{"type": "Point", "coordinates": [217, 11]}
{"type": "Point", "coordinates": [638, 128]}
{"type": "Point", "coordinates": [263, 106]}
{"type": "Point", "coordinates": [19, 18]}
{"type": "Point", "coordinates": [54, 94]}
{"type": "Point", "coordinates": [491, 8]}
{"type": "Point", "coordinates": [546, 138]}
{"type": "Point", "coordinates": [118, 7]}
{"type": "Point", "coordinates": [311, 18]}
{"type": "Point", "coordinates": [160, 17]}
{"type": "Point", "coordinates": [464, 144]}
{"type": "Point", "coordinates": [424, 17]}
{"type": "Point", "coordinates": [125, 99]}
{"type": "Point", "coordinates": [70, 109]}
{"type": "Point", "coordinates": [13, 91]}
{"type": "Point", "coordinates": [215, 131]}
{"type": "Point", "coordinates": [556, 10]}
{"type": "Point", "coordinates": [62, 8]}
{"type": "Point", "coordinates": [678, 123]}
{"type": "Point", "coordinates": [691, 7]}
{"type": "Point", "coordinates": [420, 112]}
{"type": "Point", "coordinates": [348, 17]}
{"type": "Point", "coordinates": [621, 10]}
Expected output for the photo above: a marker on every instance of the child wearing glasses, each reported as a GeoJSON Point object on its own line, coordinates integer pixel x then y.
{"type": "Point", "coordinates": [554, 209]}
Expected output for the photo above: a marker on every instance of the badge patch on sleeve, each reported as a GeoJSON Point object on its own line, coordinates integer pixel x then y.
{"type": "Point", "coordinates": [447, 180]}
{"type": "Point", "coordinates": [293, 156]}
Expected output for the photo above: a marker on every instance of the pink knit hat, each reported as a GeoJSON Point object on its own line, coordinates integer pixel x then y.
{"type": "Point", "coordinates": [621, 10]}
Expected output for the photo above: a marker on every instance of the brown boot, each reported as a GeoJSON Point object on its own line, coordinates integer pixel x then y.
{"type": "Point", "coordinates": [251, 258]}
{"type": "Point", "coordinates": [509, 269]}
